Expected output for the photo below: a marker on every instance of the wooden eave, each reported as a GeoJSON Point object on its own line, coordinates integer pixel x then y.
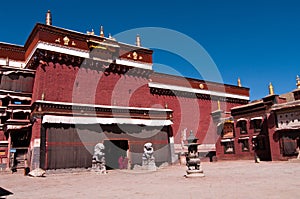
{"type": "Point", "coordinates": [16, 70]}
{"type": "Point", "coordinates": [12, 51]}
{"type": "Point", "coordinates": [286, 107]}
{"type": "Point", "coordinates": [195, 83]}
{"type": "Point", "coordinates": [19, 106]}
{"type": "Point", "coordinates": [248, 108]}
{"type": "Point", "coordinates": [17, 122]}
{"type": "Point", "coordinates": [39, 108]}
{"type": "Point", "coordinates": [21, 94]}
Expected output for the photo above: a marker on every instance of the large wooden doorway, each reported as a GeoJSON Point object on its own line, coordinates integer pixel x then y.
{"type": "Point", "coordinates": [114, 149]}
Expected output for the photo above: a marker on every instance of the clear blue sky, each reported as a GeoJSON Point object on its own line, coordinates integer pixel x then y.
{"type": "Point", "coordinates": [258, 41]}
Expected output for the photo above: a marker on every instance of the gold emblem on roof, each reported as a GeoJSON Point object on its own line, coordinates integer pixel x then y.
{"type": "Point", "coordinates": [66, 41]}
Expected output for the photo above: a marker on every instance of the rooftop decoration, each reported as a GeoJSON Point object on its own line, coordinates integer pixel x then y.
{"type": "Point", "coordinates": [271, 89]}
{"type": "Point", "coordinates": [49, 18]}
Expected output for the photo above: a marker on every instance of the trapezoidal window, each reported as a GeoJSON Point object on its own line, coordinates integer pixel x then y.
{"type": "Point", "coordinates": [228, 147]}
{"type": "Point", "coordinates": [256, 124]}
{"type": "Point", "coordinates": [242, 124]}
{"type": "Point", "coordinates": [245, 145]}
{"type": "Point", "coordinates": [228, 131]}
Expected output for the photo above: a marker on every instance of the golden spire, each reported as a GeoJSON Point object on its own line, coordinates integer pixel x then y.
{"type": "Point", "coordinates": [219, 105]}
{"type": "Point", "coordinates": [239, 82]}
{"type": "Point", "coordinates": [298, 81]}
{"type": "Point", "coordinates": [271, 89]}
{"type": "Point", "coordinates": [7, 61]}
{"type": "Point", "coordinates": [138, 40]}
{"type": "Point", "coordinates": [90, 33]}
{"type": "Point", "coordinates": [101, 31]}
{"type": "Point", "coordinates": [48, 18]}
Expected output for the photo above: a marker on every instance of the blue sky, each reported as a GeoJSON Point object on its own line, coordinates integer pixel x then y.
{"type": "Point", "coordinates": [258, 41]}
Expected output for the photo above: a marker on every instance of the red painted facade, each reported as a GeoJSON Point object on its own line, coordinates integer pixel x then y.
{"type": "Point", "coordinates": [118, 75]}
{"type": "Point", "coordinates": [257, 132]}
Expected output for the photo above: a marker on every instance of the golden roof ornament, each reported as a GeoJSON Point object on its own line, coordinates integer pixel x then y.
{"type": "Point", "coordinates": [239, 82]}
{"type": "Point", "coordinates": [271, 89]}
{"type": "Point", "coordinates": [90, 33]}
{"type": "Point", "coordinates": [7, 61]}
{"type": "Point", "coordinates": [49, 18]}
{"type": "Point", "coordinates": [219, 105]}
{"type": "Point", "coordinates": [66, 40]}
{"type": "Point", "coordinates": [101, 31]}
{"type": "Point", "coordinates": [138, 40]}
{"type": "Point", "coordinates": [298, 81]}
{"type": "Point", "coordinates": [111, 37]}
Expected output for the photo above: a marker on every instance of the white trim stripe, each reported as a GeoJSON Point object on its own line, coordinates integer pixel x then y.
{"type": "Point", "coordinates": [134, 64]}
{"type": "Point", "coordinates": [244, 138]}
{"type": "Point", "coordinates": [241, 119]}
{"type": "Point", "coordinates": [14, 63]}
{"type": "Point", "coordinates": [193, 90]}
{"type": "Point", "coordinates": [97, 120]}
{"type": "Point", "coordinates": [227, 140]}
{"type": "Point", "coordinates": [59, 49]}
{"type": "Point", "coordinates": [256, 118]}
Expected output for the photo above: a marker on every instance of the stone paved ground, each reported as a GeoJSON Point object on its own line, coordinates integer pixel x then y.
{"type": "Point", "coordinates": [236, 179]}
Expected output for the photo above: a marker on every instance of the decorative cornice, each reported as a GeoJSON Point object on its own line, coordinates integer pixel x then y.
{"type": "Point", "coordinates": [173, 90]}
{"type": "Point", "coordinates": [63, 108]}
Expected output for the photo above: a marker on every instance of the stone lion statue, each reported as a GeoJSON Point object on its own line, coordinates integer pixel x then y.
{"type": "Point", "coordinates": [148, 154]}
{"type": "Point", "coordinates": [98, 162]}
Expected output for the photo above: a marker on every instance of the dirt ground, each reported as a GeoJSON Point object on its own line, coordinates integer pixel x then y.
{"type": "Point", "coordinates": [228, 179]}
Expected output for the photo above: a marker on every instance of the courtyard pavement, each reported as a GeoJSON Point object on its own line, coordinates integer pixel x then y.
{"type": "Point", "coordinates": [223, 179]}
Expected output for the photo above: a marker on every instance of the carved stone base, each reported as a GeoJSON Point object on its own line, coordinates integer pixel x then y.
{"type": "Point", "coordinates": [99, 167]}
{"type": "Point", "coordinates": [150, 166]}
{"type": "Point", "coordinates": [194, 173]}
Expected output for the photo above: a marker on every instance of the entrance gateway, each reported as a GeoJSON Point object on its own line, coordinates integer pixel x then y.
{"type": "Point", "coordinates": [116, 153]}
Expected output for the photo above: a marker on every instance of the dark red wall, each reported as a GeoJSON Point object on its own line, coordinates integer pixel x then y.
{"type": "Point", "coordinates": [63, 83]}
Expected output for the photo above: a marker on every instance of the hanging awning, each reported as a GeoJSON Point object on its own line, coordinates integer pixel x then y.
{"type": "Point", "coordinates": [227, 140]}
{"type": "Point", "coordinates": [244, 138]}
{"type": "Point", "coordinates": [54, 119]}
{"type": "Point", "coordinates": [16, 127]}
{"type": "Point", "coordinates": [256, 118]}
{"type": "Point", "coordinates": [19, 110]}
{"type": "Point", "coordinates": [241, 119]}
{"type": "Point", "coordinates": [15, 97]}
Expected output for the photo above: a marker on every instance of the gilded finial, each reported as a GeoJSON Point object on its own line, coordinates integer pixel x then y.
{"type": "Point", "coordinates": [271, 89]}
{"type": "Point", "coordinates": [90, 33]}
{"type": "Point", "coordinates": [219, 105]}
{"type": "Point", "coordinates": [49, 18]}
{"type": "Point", "coordinates": [43, 96]}
{"type": "Point", "coordinates": [298, 81]}
{"type": "Point", "coordinates": [101, 31]}
{"type": "Point", "coordinates": [239, 82]}
{"type": "Point", "coordinates": [138, 40]}
{"type": "Point", "coordinates": [7, 61]}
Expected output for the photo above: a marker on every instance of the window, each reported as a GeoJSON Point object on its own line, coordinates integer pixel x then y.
{"type": "Point", "coordinates": [288, 146]}
{"type": "Point", "coordinates": [256, 124]}
{"type": "Point", "coordinates": [228, 130]}
{"type": "Point", "coordinates": [229, 147]}
{"type": "Point", "coordinates": [245, 145]}
{"type": "Point", "coordinates": [243, 126]}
